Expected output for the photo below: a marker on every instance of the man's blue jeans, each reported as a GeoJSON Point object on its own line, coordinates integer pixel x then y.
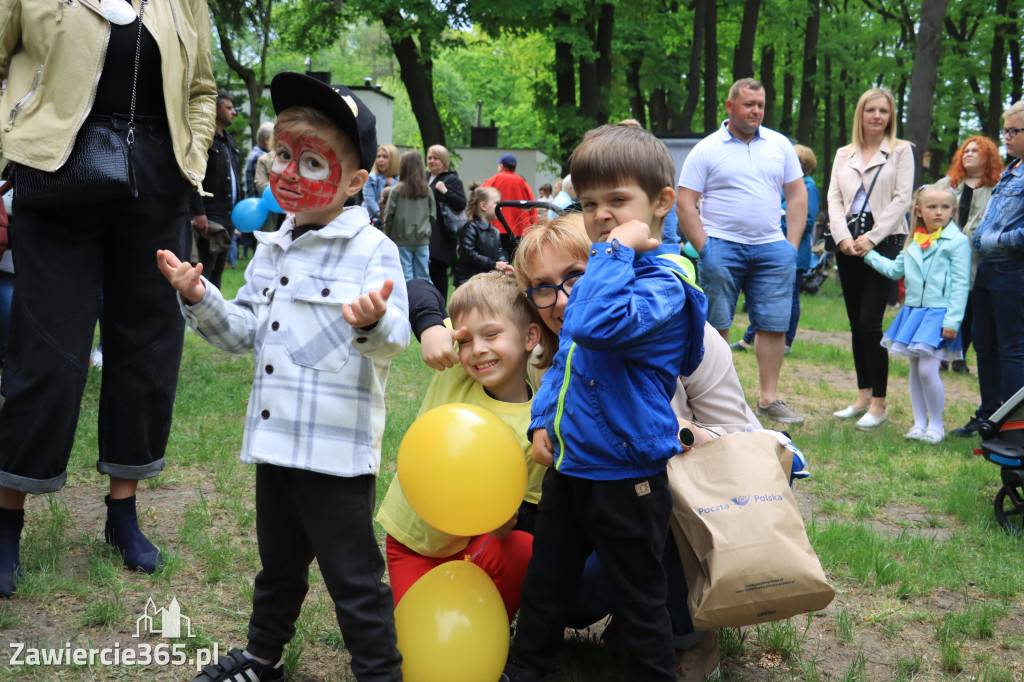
{"type": "Point", "coordinates": [999, 332]}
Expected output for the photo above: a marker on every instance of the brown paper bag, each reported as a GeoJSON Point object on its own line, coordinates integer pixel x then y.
{"type": "Point", "coordinates": [740, 535]}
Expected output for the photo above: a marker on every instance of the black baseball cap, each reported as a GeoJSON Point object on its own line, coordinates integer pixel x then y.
{"type": "Point", "coordinates": [336, 102]}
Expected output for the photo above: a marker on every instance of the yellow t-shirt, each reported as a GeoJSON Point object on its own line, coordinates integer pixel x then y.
{"type": "Point", "coordinates": [397, 516]}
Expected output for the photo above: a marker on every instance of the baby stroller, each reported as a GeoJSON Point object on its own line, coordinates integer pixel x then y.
{"type": "Point", "coordinates": [1003, 444]}
{"type": "Point", "coordinates": [821, 262]}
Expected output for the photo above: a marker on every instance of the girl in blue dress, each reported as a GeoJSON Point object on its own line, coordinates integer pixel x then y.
{"type": "Point", "coordinates": [936, 265]}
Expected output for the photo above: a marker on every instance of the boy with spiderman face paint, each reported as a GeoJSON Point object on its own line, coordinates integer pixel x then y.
{"type": "Point", "coordinates": [324, 309]}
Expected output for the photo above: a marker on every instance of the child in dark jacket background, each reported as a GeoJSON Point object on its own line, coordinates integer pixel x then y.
{"type": "Point", "coordinates": [479, 242]}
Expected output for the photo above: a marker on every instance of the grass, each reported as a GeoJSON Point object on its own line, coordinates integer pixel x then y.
{"type": "Point", "coordinates": [928, 586]}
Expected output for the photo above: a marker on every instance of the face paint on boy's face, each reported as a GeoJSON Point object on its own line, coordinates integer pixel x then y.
{"type": "Point", "coordinates": [305, 174]}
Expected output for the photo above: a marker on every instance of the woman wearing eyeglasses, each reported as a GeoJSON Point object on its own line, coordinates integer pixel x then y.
{"type": "Point", "coordinates": [973, 172]}
{"type": "Point", "coordinates": [550, 260]}
{"type": "Point", "coordinates": [999, 284]}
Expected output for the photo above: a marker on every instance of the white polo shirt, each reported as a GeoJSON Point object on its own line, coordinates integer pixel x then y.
{"type": "Point", "coordinates": [741, 183]}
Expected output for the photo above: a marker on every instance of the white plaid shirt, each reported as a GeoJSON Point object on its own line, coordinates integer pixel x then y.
{"type": "Point", "coordinates": [317, 400]}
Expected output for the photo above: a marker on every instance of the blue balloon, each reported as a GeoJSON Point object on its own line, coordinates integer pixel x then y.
{"type": "Point", "coordinates": [248, 215]}
{"type": "Point", "coordinates": [270, 201]}
{"type": "Point", "coordinates": [689, 251]}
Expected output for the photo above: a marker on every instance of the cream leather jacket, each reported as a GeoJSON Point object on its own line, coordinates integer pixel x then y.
{"type": "Point", "coordinates": [51, 54]}
{"type": "Point", "coordinates": [890, 199]}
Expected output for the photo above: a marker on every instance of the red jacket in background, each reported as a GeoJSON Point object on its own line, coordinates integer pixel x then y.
{"type": "Point", "coordinates": [513, 188]}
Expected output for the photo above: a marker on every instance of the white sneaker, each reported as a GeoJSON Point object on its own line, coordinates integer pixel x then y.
{"type": "Point", "coordinates": [96, 358]}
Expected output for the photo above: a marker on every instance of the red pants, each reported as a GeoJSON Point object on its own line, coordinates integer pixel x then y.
{"type": "Point", "coordinates": [504, 560]}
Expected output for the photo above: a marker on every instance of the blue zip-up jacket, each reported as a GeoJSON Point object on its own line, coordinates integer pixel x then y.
{"type": "Point", "coordinates": [632, 326]}
{"type": "Point", "coordinates": [936, 277]}
{"type": "Point", "coordinates": [1000, 235]}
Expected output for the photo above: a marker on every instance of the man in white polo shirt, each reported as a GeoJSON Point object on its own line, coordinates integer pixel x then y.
{"type": "Point", "coordinates": [738, 175]}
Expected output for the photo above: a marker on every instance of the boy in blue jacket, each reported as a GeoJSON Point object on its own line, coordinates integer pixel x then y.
{"type": "Point", "coordinates": [602, 417]}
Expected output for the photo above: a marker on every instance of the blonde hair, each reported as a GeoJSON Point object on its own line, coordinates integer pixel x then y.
{"type": "Point", "coordinates": [493, 293]}
{"type": "Point", "coordinates": [858, 118]}
{"type": "Point", "coordinates": [312, 121]}
{"type": "Point", "coordinates": [808, 161]}
{"type": "Point", "coordinates": [748, 83]}
{"type": "Point", "coordinates": [481, 194]}
{"type": "Point", "coordinates": [393, 159]}
{"type": "Point", "coordinates": [442, 154]}
{"type": "Point", "coordinates": [1015, 109]}
{"type": "Point", "coordinates": [915, 220]}
{"type": "Point", "coordinates": [565, 234]}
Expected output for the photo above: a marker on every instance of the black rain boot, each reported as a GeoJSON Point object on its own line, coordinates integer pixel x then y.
{"type": "Point", "coordinates": [122, 532]}
{"type": "Point", "coordinates": [11, 523]}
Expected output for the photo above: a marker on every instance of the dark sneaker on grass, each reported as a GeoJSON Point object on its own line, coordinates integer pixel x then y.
{"type": "Point", "coordinates": [960, 367]}
{"type": "Point", "coordinates": [969, 429]}
{"type": "Point", "coordinates": [777, 411]}
{"type": "Point", "coordinates": [235, 666]}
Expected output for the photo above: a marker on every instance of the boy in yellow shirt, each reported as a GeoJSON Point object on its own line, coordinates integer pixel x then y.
{"type": "Point", "coordinates": [497, 330]}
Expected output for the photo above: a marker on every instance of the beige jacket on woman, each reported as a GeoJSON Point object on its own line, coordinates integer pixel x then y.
{"type": "Point", "coordinates": [979, 202]}
{"type": "Point", "coordinates": [890, 199]}
{"type": "Point", "coordinates": [52, 53]}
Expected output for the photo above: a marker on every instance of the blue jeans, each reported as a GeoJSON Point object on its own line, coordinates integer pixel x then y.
{"type": "Point", "coordinates": [764, 272]}
{"type": "Point", "coordinates": [794, 315]}
{"type": "Point", "coordinates": [415, 261]}
{"type": "Point", "coordinates": [999, 332]}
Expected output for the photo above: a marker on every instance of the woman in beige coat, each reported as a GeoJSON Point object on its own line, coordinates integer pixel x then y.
{"type": "Point", "coordinates": [974, 171]}
{"type": "Point", "coordinates": [873, 179]}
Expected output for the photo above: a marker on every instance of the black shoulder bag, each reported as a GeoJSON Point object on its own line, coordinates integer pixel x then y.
{"type": "Point", "coordinates": [98, 169]}
{"type": "Point", "coordinates": [857, 223]}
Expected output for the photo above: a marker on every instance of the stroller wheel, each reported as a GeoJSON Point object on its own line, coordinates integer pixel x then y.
{"type": "Point", "coordinates": [1009, 508]}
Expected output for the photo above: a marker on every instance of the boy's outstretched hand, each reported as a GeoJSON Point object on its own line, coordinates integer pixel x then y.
{"type": "Point", "coordinates": [437, 346]}
{"type": "Point", "coordinates": [542, 453]}
{"type": "Point", "coordinates": [182, 276]}
{"type": "Point", "coordinates": [636, 235]}
{"type": "Point", "coordinates": [369, 308]}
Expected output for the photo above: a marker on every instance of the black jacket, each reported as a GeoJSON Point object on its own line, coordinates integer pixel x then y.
{"type": "Point", "coordinates": [222, 160]}
{"type": "Point", "coordinates": [442, 245]}
{"type": "Point", "coordinates": [479, 249]}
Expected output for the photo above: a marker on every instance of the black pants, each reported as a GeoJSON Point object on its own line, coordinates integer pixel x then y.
{"type": "Point", "coordinates": [302, 515]}
{"type": "Point", "coordinates": [439, 276]}
{"type": "Point", "coordinates": [626, 523]}
{"type": "Point", "coordinates": [866, 293]}
{"type": "Point", "coordinates": [62, 257]}
{"type": "Point", "coordinates": [213, 263]}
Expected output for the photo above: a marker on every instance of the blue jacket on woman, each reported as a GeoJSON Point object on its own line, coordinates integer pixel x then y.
{"type": "Point", "coordinates": [1000, 236]}
{"type": "Point", "coordinates": [632, 326]}
{"type": "Point", "coordinates": [936, 277]}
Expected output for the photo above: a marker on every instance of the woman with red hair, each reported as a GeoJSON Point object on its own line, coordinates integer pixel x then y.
{"type": "Point", "coordinates": [974, 171]}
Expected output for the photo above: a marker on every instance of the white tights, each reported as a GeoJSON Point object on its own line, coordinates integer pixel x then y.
{"type": "Point", "coordinates": [927, 394]}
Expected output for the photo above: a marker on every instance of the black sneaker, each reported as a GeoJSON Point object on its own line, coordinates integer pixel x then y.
{"type": "Point", "coordinates": [969, 429]}
{"type": "Point", "coordinates": [235, 666]}
{"type": "Point", "coordinates": [960, 367]}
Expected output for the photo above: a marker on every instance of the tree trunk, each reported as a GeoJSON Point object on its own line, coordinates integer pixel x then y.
{"type": "Point", "coordinates": [565, 93]}
{"type": "Point", "coordinates": [826, 142]}
{"type": "Point", "coordinates": [843, 132]}
{"type": "Point", "coordinates": [1015, 69]}
{"type": "Point", "coordinates": [788, 83]}
{"type": "Point", "coordinates": [693, 75]}
{"type": "Point", "coordinates": [923, 80]}
{"type": "Point", "coordinates": [901, 101]}
{"type": "Point", "coordinates": [743, 56]}
{"type": "Point", "coordinates": [992, 121]}
{"type": "Point", "coordinates": [768, 81]}
{"type": "Point", "coordinates": [658, 107]}
{"type": "Point", "coordinates": [636, 95]}
{"type": "Point", "coordinates": [416, 69]}
{"type": "Point", "coordinates": [603, 64]}
{"type": "Point", "coordinates": [808, 104]}
{"type": "Point", "coordinates": [711, 66]}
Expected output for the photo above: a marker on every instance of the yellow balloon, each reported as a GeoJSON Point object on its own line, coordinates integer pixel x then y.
{"type": "Point", "coordinates": [462, 469]}
{"type": "Point", "coordinates": [452, 626]}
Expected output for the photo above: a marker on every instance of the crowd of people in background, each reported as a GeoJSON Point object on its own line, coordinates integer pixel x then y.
{"type": "Point", "coordinates": [744, 209]}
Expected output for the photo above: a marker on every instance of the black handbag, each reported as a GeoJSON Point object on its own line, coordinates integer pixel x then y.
{"type": "Point", "coordinates": [451, 221]}
{"type": "Point", "coordinates": [855, 224]}
{"type": "Point", "coordinates": [98, 169]}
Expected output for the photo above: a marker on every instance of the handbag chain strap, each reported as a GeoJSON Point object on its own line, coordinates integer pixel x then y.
{"type": "Point", "coordinates": [871, 187]}
{"type": "Point", "coordinates": [135, 78]}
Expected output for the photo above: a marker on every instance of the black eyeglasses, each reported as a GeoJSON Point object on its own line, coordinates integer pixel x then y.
{"type": "Point", "coordinates": [546, 295]}
{"type": "Point", "coordinates": [1010, 133]}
